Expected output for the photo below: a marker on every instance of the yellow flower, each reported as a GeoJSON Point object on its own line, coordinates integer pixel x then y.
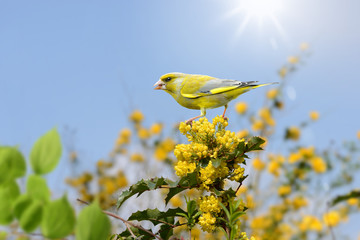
{"type": "Point", "coordinates": [257, 125]}
{"type": "Point", "coordinates": [163, 149]}
{"type": "Point", "coordinates": [121, 180]}
{"type": "Point", "coordinates": [331, 218]}
{"type": "Point", "coordinates": [124, 137]}
{"type": "Point", "coordinates": [299, 202]}
{"type": "Point", "coordinates": [283, 72]}
{"type": "Point", "coordinates": [304, 46]}
{"type": "Point", "coordinates": [242, 133]}
{"type": "Point", "coordinates": [284, 190]}
{"type": "Point", "coordinates": [294, 157]}
{"type": "Point", "coordinates": [314, 115]}
{"type": "Point", "coordinates": [310, 223]}
{"type": "Point", "coordinates": [274, 168]}
{"type": "Point", "coordinates": [293, 59]}
{"type": "Point", "coordinates": [293, 133]}
{"type": "Point", "coordinates": [258, 164]}
{"type": "Point", "coordinates": [241, 190]}
{"type": "Point", "coordinates": [209, 204]}
{"type": "Point", "coordinates": [241, 107]}
{"type": "Point", "coordinates": [110, 186]}
{"type": "Point", "coordinates": [358, 134]}
{"type": "Point", "coordinates": [182, 168]}
{"type": "Point", "coordinates": [265, 114]}
{"type": "Point", "coordinates": [318, 164]}
{"type": "Point", "coordinates": [176, 201]}
{"type": "Point", "coordinates": [272, 93]}
{"type": "Point", "coordinates": [136, 116]}
{"type": "Point", "coordinates": [307, 152]}
{"type": "Point", "coordinates": [207, 222]}
{"type": "Point", "coordinates": [143, 133]}
{"type": "Point", "coordinates": [353, 201]}
{"type": "Point", "coordinates": [137, 157]}
{"type": "Point", "coordinates": [156, 128]}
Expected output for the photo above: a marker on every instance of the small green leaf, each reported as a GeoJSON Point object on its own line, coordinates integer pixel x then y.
{"type": "Point", "coordinates": [21, 204]}
{"type": "Point", "coordinates": [12, 164]}
{"type": "Point", "coordinates": [154, 215]}
{"type": "Point", "coordinates": [341, 198]}
{"type": "Point", "coordinates": [58, 219]}
{"type": "Point", "coordinates": [216, 162]}
{"type": "Point", "coordinates": [46, 152]}
{"type": "Point", "coordinates": [9, 192]}
{"type": "Point", "coordinates": [37, 188]}
{"type": "Point", "coordinates": [254, 144]}
{"type": "Point", "coordinates": [31, 218]}
{"type": "Point", "coordinates": [92, 224]}
{"type": "Point", "coordinates": [143, 185]}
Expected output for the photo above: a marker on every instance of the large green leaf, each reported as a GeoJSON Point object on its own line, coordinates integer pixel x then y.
{"type": "Point", "coordinates": [8, 195]}
{"type": "Point", "coordinates": [12, 164]}
{"type": "Point", "coordinates": [155, 215]}
{"type": "Point", "coordinates": [58, 219]}
{"type": "Point", "coordinates": [46, 152]}
{"type": "Point", "coordinates": [37, 188]}
{"type": "Point", "coordinates": [254, 144]}
{"type": "Point", "coordinates": [31, 217]}
{"type": "Point", "coordinates": [21, 204]}
{"type": "Point", "coordinates": [92, 224]}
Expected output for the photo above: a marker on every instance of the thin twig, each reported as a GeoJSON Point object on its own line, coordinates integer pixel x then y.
{"type": "Point", "coordinates": [124, 221]}
{"type": "Point", "coordinates": [131, 232]}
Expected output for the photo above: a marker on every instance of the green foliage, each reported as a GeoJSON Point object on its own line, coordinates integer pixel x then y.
{"type": "Point", "coordinates": [30, 219]}
{"type": "Point", "coordinates": [46, 152]}
{"type": "Point", "coordinates": [12, 164]}
{"type": "Point", "coordinates": [232, 217]}
{"type": "Point", "coordinates": [37, 188]}
{"type": "Point", "coordinates": [192, 213]}
{"type": "Point", "coordinates": [8, 194]}
{"type": "Point", "coordinates": [342, 198]}
{"type": "Point", "coordinates": [92, 224]}
{"type": "Point", "coordinates": [58, 219]}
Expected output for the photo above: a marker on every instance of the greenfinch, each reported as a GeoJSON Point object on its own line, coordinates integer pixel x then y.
{"type": "Point", "coordinates": [203, 92]}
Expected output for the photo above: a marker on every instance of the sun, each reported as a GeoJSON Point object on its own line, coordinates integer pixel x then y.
{"type": "Point", "coordinates": [258, 10]}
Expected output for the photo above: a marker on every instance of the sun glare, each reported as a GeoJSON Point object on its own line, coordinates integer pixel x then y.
{"type": "Point", "coordinates": [262, 11]}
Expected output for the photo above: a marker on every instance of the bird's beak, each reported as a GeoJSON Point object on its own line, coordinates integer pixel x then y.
{"type": "Point", "coordinates": [159, 85]}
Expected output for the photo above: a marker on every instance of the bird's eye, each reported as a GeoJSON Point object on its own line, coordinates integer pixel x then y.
{"type": "Point", "coordinates": [167, 79]}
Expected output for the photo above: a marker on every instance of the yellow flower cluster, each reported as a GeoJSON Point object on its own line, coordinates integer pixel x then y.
{"type": "Point", "coordinates": [136, 116]}
{"type": "Point", "coordinates": [311, 223]}
{"type": "Point", "coordinates": [293, 133]}
{"type": "Point", "coordinates": [241, 107]}
{"type": "Point", "coordinates": [207, 222]}
{"type": "Point", "coordinates": [209, 204]}
{"type": "Point", "coordinates": [318, 164]}
{"type": "Point", "coordinates": [284, 190]}
{"type": "Point", "coordinates": [243, 236]}
{"type": "Point", "coordinates": [163, 149]}
{"type": "Point", "coordinates": [314, 115]}
{"type": "Point", "coordinates": [265, 115]}
{"type": "Point", "coordinates": [208, 141]}
{"type": "Point", "coordinates": [331, 218]}
{"type": "Point", "coordinates": [258, 164]}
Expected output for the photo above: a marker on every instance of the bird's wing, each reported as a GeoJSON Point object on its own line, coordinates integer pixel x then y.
{"type": "Point", "coordinates": [206, 86]}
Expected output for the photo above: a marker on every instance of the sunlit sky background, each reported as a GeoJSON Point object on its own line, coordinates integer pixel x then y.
{"type": "Point", "coordinates": [84, 65]}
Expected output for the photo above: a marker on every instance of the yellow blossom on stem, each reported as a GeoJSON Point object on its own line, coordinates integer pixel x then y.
{"type": "Point", "coordinates": [274, 168]}
{"type": "Point", "coordinates": [272, 93]}
{"type": "Point", "coordinates": [311, 223]}
{"type": "Point", "coordinates": [293, 59]}
{"type": "Point", "coordinates": [353, 201]}
{"type": "Point", "coordinates": [294, 157]}
{"type": "Point", "coordinates": [182, 168]}
{"type": "Point", "coordinates": [299, 202]}
{"type": "Point", "coordinates": [143, 133]}
{"type": "Point", "coordinates": [293, 133]}
{"type": "Point", "coordinates": [331, 218]}
{"type": "Point", "coordinates": [136, 116]}
{"type": "Point", "coordinates": [284, 190]}
{"type": "Point", "coordinates": [137, 157]}
{"type": "Point", "coordinates": [318, 164]}
{"type": "Point", "coordinates": [257, 125]}
{"type": "Point", "coordinates": [209, 204]}
{"type": "Point", "coordinates": [307, 152]}
{"type": "Point", "coordinates": [241, 107]}
{"type": "Point", "coordinates": [314, 115]}
{"type": "Point", "coordinates": [207, 222]}
{"type": "Point", "coordinates": [156, 128]}
{"type": "Point", "coordinates": [358, 134]}
{"type": "Point", "coordinates": [258, 164]}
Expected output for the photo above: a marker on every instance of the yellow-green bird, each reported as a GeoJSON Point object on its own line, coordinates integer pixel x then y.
{"type": "Point", "coordinates": [202, 92]}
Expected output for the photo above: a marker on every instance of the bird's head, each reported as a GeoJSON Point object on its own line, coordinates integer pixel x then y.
{"type": "Point", "coordinates": [170, 82]}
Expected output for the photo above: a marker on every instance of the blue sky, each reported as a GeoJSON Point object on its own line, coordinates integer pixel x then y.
{"type": "Point", "coordinates": [86, 64]}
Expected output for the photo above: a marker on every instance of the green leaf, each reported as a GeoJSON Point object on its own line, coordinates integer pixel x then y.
{"type": "Point", "coordinates": [31, 218]}
{"type": "Point", "coordinates": [21, 204]}
{"type": "Point", "coordinates": [254, 144]}
{"type": "Point", "coordinates": [46, 152]}
{"type": "Point", "coordinates": [166, 231]}
{"type": "Point", "coordinates": [37, 188]}
{"type": "Point", "coordinates": [216, 162]}
{"type": "Point", "coordinates": [341, 198]}
{"type": "Point", "coordinates": [141, 186]}
{"type": "Point", "coordinates": [58, 219]}
{"type": "Point", "coordinates": [92, 224]}
{"type": "Point", "coordinates": [186, 182]}
{"type": "Point", "coordinates": [12, 164]}
{"type": "Point", "coordinates": [154, 215]}
{"type": "Point", "coordinates": [9, 192]}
